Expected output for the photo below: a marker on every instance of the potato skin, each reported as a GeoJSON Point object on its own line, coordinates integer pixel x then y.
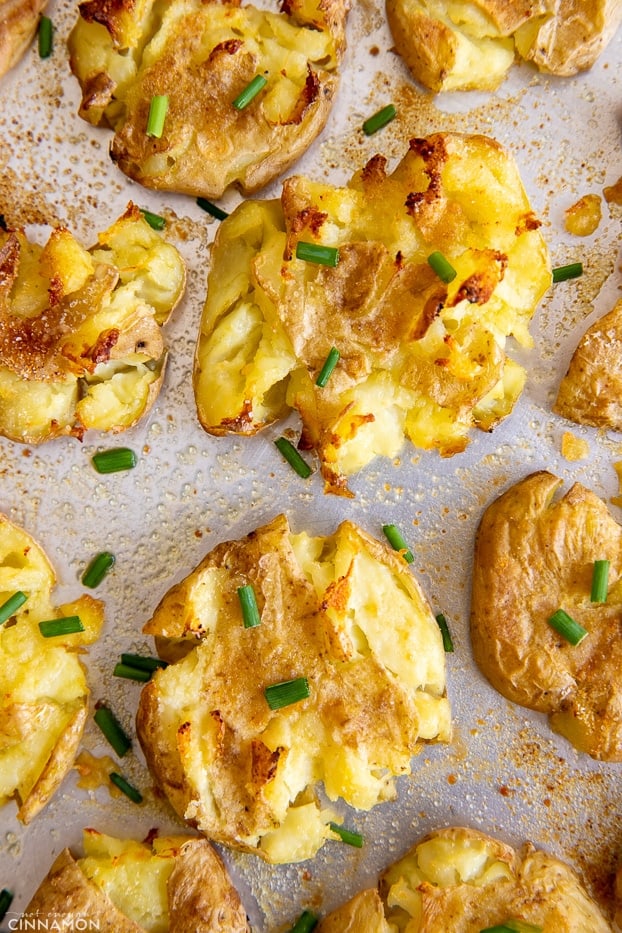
{"type": "Point", "coordinates": [18, 24]}
{"type": "Point", "coordinates": [534, 555]}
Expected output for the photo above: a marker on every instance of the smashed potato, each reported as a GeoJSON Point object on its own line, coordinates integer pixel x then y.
{"type": "Point", "coordinates": [43, 688]}
{"type": "Point", "coordinates": [344, 614]}
{"type": "Point", "coordinates": [18, 23]}
{"type": "Point", "coordinates": [462, 880]}
{"type": "Point", "coordinates": [174, 884]}
{"type": "Point", "coordinates": [81, 342]}
{"type": "Point", "coordinates": [451, 45]}
{"type": "Point", "coordinates": [591, 390]}
{"type": "Point", "coordinates": [419, 358]}
{"type": "Point", "coordinates": [535, 554]}
{"type": "Point", "coordinates": [201, 55]}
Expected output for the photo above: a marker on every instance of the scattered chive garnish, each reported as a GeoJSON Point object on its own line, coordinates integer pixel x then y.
{"type": "Point", "coordinates": [250, 91]}
{"type": "Point", "coordinates": [327, 369]}
{"type": "Point", "coordinates": [314, 252]}
{"type": "Point", "coordinates": [6, 899]}
{"type": "Point", "coordinates": [572, 271]}
{"type": "Point", "coordinates": [567, 627]}
{"type": "Point", "coordinates": [129, 791]}
{"type": "Point", "coordinates": [305, 923]}
{"type": "Point", "coordinates": [379, 119]}
{"type": "Point", "coordinates": [132, 673]}
{"type": "Point", "coordinates": [347, 835]}
{"type": "Point", "coordinates": [513, 926]}
{"type": "Point", "coordinates": [442, 267]}
{"type": "Point", "coordinates": [397, 542]}
{"type": "Point", "coordinates": [110, 726]}
{"type": "Point", "coordinates": [292, 456]}
{"type": "Point", "coordinates": [144, 663]}
{"type": "Point", "coordinates": [154, 220]}
{"type": "Point", "coordinates": [67, 625]}
{"type": "Point", "coordinates": [212, 209]}
{"type": "Point", "coordinates": [158, 108]}
{"type": "Point", "coordinates": [11, 605]}
{"type": "Point", "coordinates": [45, 36]}
{"type": "Point", "coordinates": [448, 644]}
{"type": "Point", "coordinates": [287, 692]}
{"type": "Point", "coordinates": [600, 581]}
{"type": "Point", "coordinates": [248, 603]}
{"type": "Point", "coordinates": [114, 460]}
{"type": "Point", "coordinates": [97, 569]}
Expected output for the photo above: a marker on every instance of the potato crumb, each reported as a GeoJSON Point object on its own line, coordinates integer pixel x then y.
{"type": "Point", "coordinates": [617, 500]}
{"type": "Point", "coordinates": [94, 772]}
{"type": "Point", "coordinates": [613, 193]}
{"type": "Point", "coordinates": [583, 217]}
{"type": "Point", "coordinates": [573, 447]}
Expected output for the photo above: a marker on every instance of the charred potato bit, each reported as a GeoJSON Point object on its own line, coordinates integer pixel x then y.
{"type": "Point", "coordinates": [18, 24]}
{"type": "Point", "coordinates": [202, 54]}
{"type": "Point", "coordinates": [419, 358]}
{"type": "Point", "coordinates": [80, 331]}
{"type": "Point", "coordinates": [43, 689]}
{"type": "Point", "coordinates": [342, 611]}
{"type": "Point", "coordinates": [535, 554]}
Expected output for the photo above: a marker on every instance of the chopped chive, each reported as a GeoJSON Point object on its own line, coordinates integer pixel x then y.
{"type": "Point", "coordinates": [154, 220]}
{"type": "Point", "coordinates": [248, 602]}
{"type": "Point", "coordinates": [287, 692]}
{"type": "Point", "coordinates": [379, 119]}
{"type": "Point", "coordinates": [567, 627]}
{"type": "Point", "coordinates": [305, 923]}
{"type": "Point", "coordinates": [212, 209]}
{"type": "Point", "coordinates": [112, 729]}
{"type": "Point", "coordinates": [397, 542]}
{"type": "Point", "coordinates": [114, 460]}
{"type": "Point", "coordinates": [6, 899]}
{"type": "Point", "coordinates": [572, 271]}
{"type": "Point", "coordinates": [327, 369]}
{"type": "Point", "coordinates": [12, 604]}
{"type": "Point", "coordinates": [46, 35]}
{"type": "Point", "coordinates": [513, 926]}
{"type": "Point", "coordinates": [129, 791]}
{"type": "Point", "coordinates": [600, 581]}
{"type": "Point", "coordinates": [97, 569]}
{"type": "Point", "coordinates": [442, 267]}
{"type": "Point", "coordinates": [448, 644]}
{"type": "Point", "coordinates": [347, 835]}
{"type": "Point", "coordinates": [158, 109]}
{"type": "Point", "coordinates": [314, 252]}
{"type": "Point", "coordinates": [67, 625]}
{"type": "Point", "coordinates": [292, 456]}
{"type": "Point", "coordinates": [143, 663]}
{"type": "Point", "coordinates": [250, 92]}
{"type": "Point", "coordinates": [131, 673]}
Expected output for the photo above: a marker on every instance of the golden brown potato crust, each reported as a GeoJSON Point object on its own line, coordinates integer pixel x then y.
{"type": "Point", "coordinates": [533, 555]}
{"type": "Point", "coordinates": [18, 24]}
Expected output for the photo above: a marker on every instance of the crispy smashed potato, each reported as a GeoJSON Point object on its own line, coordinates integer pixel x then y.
{"type": "Point", "coordinates": [535, 554]}
{"type": "Point", "coordinates": [464, 881]}
{"type": "Point", "coordinates": [591, 390]}
{"type": "Point", "coordinates": [451, 45]}
{"type": "Point", "coordinates": [419, 358]}
{"type": "Point", "coordinates": [81, 342]}
{"type": "Point", "coordinates": [174, 884]}
{"type": "Point", "coordinates": [18, 23]}
{"type": "Point", "coordinates": [345, 613]}
{"type": "Point", "coordinates": [43, 688]}
{"type": "Point", "coordinates": [202, 54]}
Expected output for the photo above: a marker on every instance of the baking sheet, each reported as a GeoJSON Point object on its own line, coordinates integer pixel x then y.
{"type": "Point", "coordinates": [505, 772]}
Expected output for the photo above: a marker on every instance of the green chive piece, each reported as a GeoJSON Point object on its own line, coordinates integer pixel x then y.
{"type": "Point", "coordinates": [212, 209]}
{"type": "Point", "coordinates": [248, 602]}
{"type": "Point", "coordinates": [112, 729]}
{"type": "Point", "coordinates": [397, 542]}
{"type": "Point", "coordinates": [143, 663]}
{"type": "Point", "coordinates": [250, 91]}
{"type": "Point", "coordinates": [12, 604]}
{"type": "Point", "coordinates": [572, 271]}
{"type": "Point", "coordinates": [131, 673]}
{"type": "Point", "coordinates": [379, 119]}
{"type": "Point", "coordinates": [123, 785]}
{"type": "Point", "coordinates": [600, 581]}
{"type": "Point", "coordinates": [513, 926]}
{"type": "Point", "coordinates": [6, 899]}
{"type": "Point", "coordinates": [314, 252]}
{"type": "Point", "coordinates": [347, 835]}
{"type": "Point", "coordinates": [158, 108]}
{"type": "Point", "coordinates": [292, 456]}
{"type": "Point", "coordinates": [327, 369]}
{"type": "Point", "coordinates": [46, 37]}
{"type": "Point", "coordinates": [154, 220]}
{"type": "Point", "coordinates": [97, 569]}
{"type": "Point", "coordinates": [67, 625]}
{"type": "Point", "coordinates": [567, 627]}
{"type": "Point", "coordinates": [114, 460]}
{"type": "Point", "coordinates": [442, 267]}
{"type": "Point", "coordinates": [305, 923]}
{"type": "Point", "coordinates": [287, 692]}
{"type": "Point", "coordinates": [448, 644]}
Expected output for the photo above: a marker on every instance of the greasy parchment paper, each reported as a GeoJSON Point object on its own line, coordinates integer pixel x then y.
{"type": "Point", "coordinates": [505, 772]}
